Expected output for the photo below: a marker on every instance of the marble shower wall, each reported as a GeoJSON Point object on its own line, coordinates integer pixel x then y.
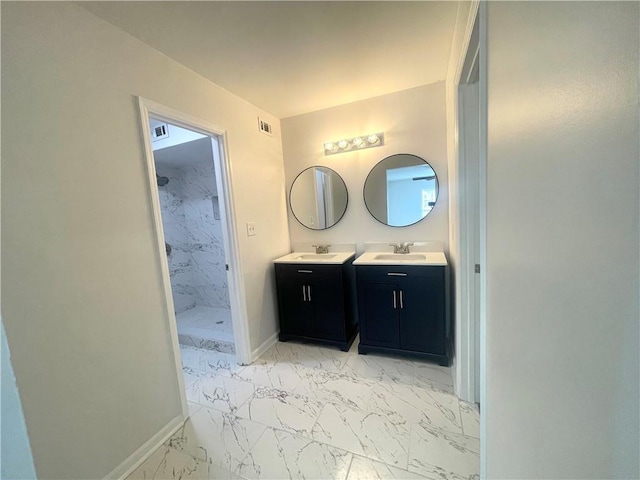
{"type": "Point", "coordinates": [197, 260]}
{"type": "Point", "coordinates": [204, 230]}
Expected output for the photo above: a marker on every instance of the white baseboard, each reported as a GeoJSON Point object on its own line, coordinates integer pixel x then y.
{"type": "Point", "coordinates": [266, 345]}
{"type": "Point", "coordinates": [127, 467]}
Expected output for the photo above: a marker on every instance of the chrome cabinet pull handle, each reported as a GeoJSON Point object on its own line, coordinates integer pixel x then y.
{"type": "Point", "coordinates": [394, 300]}
{"type": "Point", "coordinates": [393, 274]}
{"type": "Point", "coordinates": [304, 294]}
{"type": "Point", "coordinates": [401, 302]}
{"type": "Point", "coordinates": [305, 271]}
{"type": "Point", "coordinates": [309, 292]}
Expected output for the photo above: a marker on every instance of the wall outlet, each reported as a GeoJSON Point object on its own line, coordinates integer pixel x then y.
{"type": "Point", "coordinates": [251, 229]}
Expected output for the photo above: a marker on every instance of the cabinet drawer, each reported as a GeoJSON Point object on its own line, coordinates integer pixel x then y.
{"type": "Point", "coordinates": [307, 272]}
{"type": "Point", "coordinates": [385, 273]}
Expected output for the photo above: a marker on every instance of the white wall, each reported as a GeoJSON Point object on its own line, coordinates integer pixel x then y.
{"type": "Point", "coordinates": [83, 301]}
{"type": "Point", "coordinates": [413, 121]}
{"type": "Point", "coordinates": [563, 220]}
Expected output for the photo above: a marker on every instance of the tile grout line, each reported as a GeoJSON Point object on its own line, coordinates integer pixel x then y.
{"type": "Point", "coordinates": [237, 469]}
{"type": "Point", "coordinates": [461, 419]}
{"type": "Point", "coordinates": [349, 469]}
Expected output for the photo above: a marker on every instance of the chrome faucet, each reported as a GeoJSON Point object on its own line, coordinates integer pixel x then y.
{"type": "Point", "coordinates": [401, 247]}
{"type": "Point", "coordinates": [322, 248]}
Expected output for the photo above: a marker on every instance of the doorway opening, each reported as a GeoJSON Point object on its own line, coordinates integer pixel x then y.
{"type": "Point", "coordinates": [191, 198]}
{"type": "Point", "coordinates": [193, 235]}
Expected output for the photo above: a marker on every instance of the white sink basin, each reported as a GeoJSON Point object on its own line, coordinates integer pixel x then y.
{"type": "Point", "coordinates": [405, 259]}
{"type": "Point", "coordinates": [401, 257]}
{"type": "Point", "coordinates": [316, 256]}
{"type": "Point", "coordinates": [335, 258]}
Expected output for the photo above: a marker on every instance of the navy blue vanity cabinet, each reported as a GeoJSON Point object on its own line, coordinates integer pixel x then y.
{"type": "Point", "coordinates": [316, 303]}
{"type": "Point", "coordinates": [402, 310]}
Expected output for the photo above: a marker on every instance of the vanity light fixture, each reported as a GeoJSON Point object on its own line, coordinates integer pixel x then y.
{"type": "Point", "coordinates": [356, 143]}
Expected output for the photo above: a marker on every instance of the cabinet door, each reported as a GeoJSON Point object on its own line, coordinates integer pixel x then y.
{"type": "Point", "coordinates": [296, 312]}
{"type": "Point", "coordinates": [422, 315]}
{"type": "Point", "coordinates": [378, 313]}
{"type": "Point", "coordinates": [326, 295]}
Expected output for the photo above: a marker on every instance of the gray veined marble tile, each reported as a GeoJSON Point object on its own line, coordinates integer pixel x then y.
{"type": "Point", "coordinates": [221, 439]}
{"type": "Point", "coordinates": [222, 346]}
{"type": "Point", "coordinates": [470, 419]}
{"type": "Point", "coordinates": [381, 369]}
{"type": "Point", "coordinates": [334, 387]}
{"type": "Point", "coordinates": [439, 454]}
{"type": "Point", "coordinates": [209, 268]}
{"type": "Point", "coordinates": [199, 219]}
{"type": "Point", "coordinates": [279, 375]}
{"type": "Point", "coordinates": [416, 405]}
{"type": "Point", "coordinates": [209, 361]}
{"type": "Point", "coordinates": [167, 463]}
{"type": "Point", "coordinates": [191, 376]}
{"type": "Point", "coordinates": [220, 392]}
{"type": "Point", "coordinates": [211, 295]}
{"type": "Point", "coordinates": [366, 469]}
{"type": "Point", "coordinates": [281, 409]}
{"type": "Point", "coordinates": [310, 356]}
{"type": "Point", "coordinates": [282, 455]}
{"type": "Point", "coordinates": [372, 435]}
{"type": "Point", "coordinates": [434, 376]}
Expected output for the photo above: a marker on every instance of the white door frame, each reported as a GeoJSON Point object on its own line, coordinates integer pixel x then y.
{"type": "Point", "coordinates": [483, 188]}
{"type": "Point", "coordinates": [473, 244]}
{"type": "Point", "coordinates": [465, 334]}
{"type": "Point", "coordinates": [231, 245]}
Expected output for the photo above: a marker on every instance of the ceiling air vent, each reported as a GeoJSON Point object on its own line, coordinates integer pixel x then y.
{"type": "Point", "coordinates": [264, 127]}
{"type": "Point", "coordinates": [159, 132]}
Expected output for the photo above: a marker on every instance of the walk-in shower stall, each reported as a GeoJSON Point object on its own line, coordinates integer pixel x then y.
{"type": "Point", "coordinates": [194, 242]}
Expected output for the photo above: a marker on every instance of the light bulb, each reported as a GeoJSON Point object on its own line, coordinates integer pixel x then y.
{"type": "Point", "coordinates": [373, 139]}
{"type": "Point", "coordinates": [357, 142]}
{"type": "Point", "coordinates": [343, 144]}
{"type": "Point", "coordinates": [330, 147]}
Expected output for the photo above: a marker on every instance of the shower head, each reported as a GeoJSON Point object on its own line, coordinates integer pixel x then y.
{"type": "Point", "coordinates": [162, 181]}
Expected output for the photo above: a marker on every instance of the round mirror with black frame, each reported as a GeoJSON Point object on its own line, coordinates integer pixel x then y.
{"type": "Point", "coordinates": [318, 198]}
{"type": "Point", "coordinates": [401, 190]}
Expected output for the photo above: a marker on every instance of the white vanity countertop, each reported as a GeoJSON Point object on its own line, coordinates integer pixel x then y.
{"type": "Point", "coordinates": [401, 259]}
{"type": "Point", "coordinates": [331, 258]}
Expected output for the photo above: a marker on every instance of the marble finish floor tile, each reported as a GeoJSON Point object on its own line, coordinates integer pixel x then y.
{"type": "Point", "coordinates": [366, 469]}
{"type": "Point", "coordinates": [415, 405]}
{"type": "Point", "coordinates": [209, 361]}
{"type": "Point", "coordinates": [372, 435]}
{"type": "Point", "coordinates": [280, 375]}
{"type": "Point", "coordinates": [430, 375]}
{"type": "Point", "coordinates": [335, 387]}
{"type": "Point", "coordinates": [311, 356]}
{"type": "Point", "coordinates": [440, 454]}
{"type": "Point", "coordinates": [380, 368]}
{"type": "Point", "coordinates": [282, 410]}
{"type": "Point", "coordinates": [223, 393]}
{"type": "Point", "coordinates": [167, 463]}
{"type": "Point", "coordinates": [282, 455]}
{"type": "Point", "coordinates": [221, 439]}
{"type": "Point", "coordinates": [190, 376]}
{"type": "Point", "coordinates": [470, 419]}
{"type": "Point", "coordinates": [305, 411]}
